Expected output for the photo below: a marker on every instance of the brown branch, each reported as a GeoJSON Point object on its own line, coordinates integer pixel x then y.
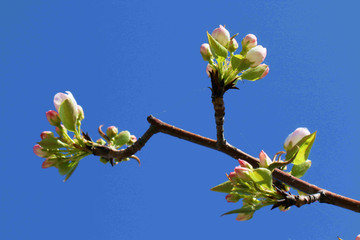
{"type": "Point", "coordinates": [300, 200]}
{"type": "Point", "coordinates": [159, 126]}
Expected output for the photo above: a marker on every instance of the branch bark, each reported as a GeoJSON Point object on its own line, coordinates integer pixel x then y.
{"type": "Point", "coordinates": [157, 125]}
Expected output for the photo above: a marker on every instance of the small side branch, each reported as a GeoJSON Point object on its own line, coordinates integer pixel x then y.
{"type": "Point", "coordinates": [219, 108]}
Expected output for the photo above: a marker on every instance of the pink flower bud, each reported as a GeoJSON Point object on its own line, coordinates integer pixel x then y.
{"type": "Point", "coordinates": [232, 176]}
{"type": "Point", "coordinates": [244, 216]}
{"type": "Point", "coordinates": [46, 134]}
{"type": "Point", "coordinates": [221, 35]}
{"type": "Point", "coordinates": [81, 115]}
{"type": "Point", "coordinates": [244, 164]}
{"type": "Point", "coordinates": [265, 72]}
{"type": "Point", "coordinates": [112, 131]}
{"type": "Point", "coordinates": [233, 45]}
{"type": "Point", "coordinates": [232, 198]}
{"type": "Point", "coordinates": [242, 172]}
{"type": "Point", "coordinates": [209, 69]}
{"type": "Point", "coordinates": [265, 161]}
{"type": "Point", "coordinates": [358, 237]}
{"type": "Point", "coordinates": [249, 41]}
{"type": "Point", "coordinates": [39, 151]}
{"type": "Point", "coordinates": [295, 137]}
{"type": "Point", "coordinates": [59, 98]}
{"type": "Point", "coordinates": [48, 163]}
{"type": "Point", "coordinates": [256, 55]}
{"type": "Point", "coordinates": [53, 118]}
{"type": "Point", "coordinates": [205, 51]}
{"type": "Point", "coordinates": [132, 140]}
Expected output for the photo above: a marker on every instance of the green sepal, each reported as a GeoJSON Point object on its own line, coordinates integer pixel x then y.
{"type": "Point", "coordinates": [122, 138]}
{"type": "Point", "coordinates": [253, 74]}
{"type": "Point", "coordinates": [217, 49]}
{"type": "Point", "coordinates": [239, 62]}
{"type": "Point", "coordinates": [245, 209]}
{"type": "Point", "coordinates": [262, 177]}
{"type": "Point", "coordinates": [64, 167]}
{"type": "Point", "coordinates": [68, 114]}
{"type": "Point", "coordinates": [224, 187]}
{"type": "Point", "coordinates": [52, 143]}
{"type": "Point", "coordinates": [300, 169]}
{"type": "Point", "coordinates": [301, 149]}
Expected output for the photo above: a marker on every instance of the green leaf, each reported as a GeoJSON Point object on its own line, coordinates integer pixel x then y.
{"type": "Point", "coordinates": [239, 63]}
{"type": "Point", "coordinates": [262, 176]}
{"type": "Point", "coordinates": [245, 209]}
{"type": "Point", "coordinates": [68, 114]}
{"type": "Point", "coordinates": [52, 143]}
{"type": "Point", "coordinates": [253, 74]}
{"type": "Point", "coordinates": [302, 148]}
{"type": "Point", "coordinates": [299, 170]}
{"type": "Point", "coordinates": [217, 49]}
{"type": "Point", "coordinates": [224, 187]}
{"type": "Point", "coordinates": [72, 170]}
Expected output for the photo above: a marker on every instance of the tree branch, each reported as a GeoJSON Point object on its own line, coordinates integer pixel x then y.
{"type": "Point", "coordinates": [159, 126]}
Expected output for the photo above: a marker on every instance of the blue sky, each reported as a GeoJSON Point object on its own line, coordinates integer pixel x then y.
{"type": "Point", "coordinates": [125, 60]}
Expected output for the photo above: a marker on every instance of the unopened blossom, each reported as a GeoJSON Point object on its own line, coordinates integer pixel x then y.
{"type": "Point", "coordinates": [266, 71]}
{"type": "Point", "coordinates": [209, 69]}
{"type": "Point", "coordinates": [205, 51]}
{"type": "Point", "coordinates": [242, 172]}
{"type": "Point", "coordinates": [46, 134]}
{"type": "Point", "coordinates": [295, 137]}
{"type": "Point", "coordinates": [233, 45]}
{"type": "Point", "coordinates": [71, 113]}
{"type": "Point", "coordinates": [222, 35]}
{"type": "Point", "coordinates": [256, 55]}
{"type": "Point", "coordinates": [358, 237]}
{"type": "Point", "coordinates": [265, 161]}
{"type": "Point", "coordinates": [81, 115]}
{"type": "Point", "coordinates": [39, 151]}
{"type": "Point", "coordinates": [48, 163]}
{"type": "Point", "coordinates": [244, 216]}
{"type": "Point", "coordinates": [112, 131]}
{"type": "Point", "coordinates": [249, 41]}
{"type": "Point", "coordinates": [244, 164]}
{"type": "Point", "coordinates": [53, 118]}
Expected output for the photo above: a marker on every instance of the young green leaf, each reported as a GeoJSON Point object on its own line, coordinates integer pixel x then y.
{"type": "Point", "coordinates": [262, 176]}
{"type": "Point", "coordinates": [299, 170]}
{"type": "Point", "coordinates": [52, 143]}
{"type": "Point", "coordinates": [217, 49]}
{"type": "Point", "coordinates": [224, 187]}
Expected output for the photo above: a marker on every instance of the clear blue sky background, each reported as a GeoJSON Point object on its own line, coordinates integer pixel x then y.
{"type": "Point", "coordinates": [124, 60]}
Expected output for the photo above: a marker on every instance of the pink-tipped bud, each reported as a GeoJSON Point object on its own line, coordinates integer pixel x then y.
{"type": "Point", "coordinates": [256, 55]}
{"type": "Point", "coordinates": [358, 237]}
{"type": "Point", "coordinates": [244, 164]}
{"type": "Point", "coordinates": [232, 176]}
{"type": "Point", "coordinates": [132, 140]}
{"type": "Point", "coordinates": [249, 41]}
{"type": "Point", "coordinates": [209, 69]}
{"type": "Point", "coordinates": [48, 163]}
{"type": "Point", "coordinates": [244, 216]}
{"type": "Point", "coordinates": [221, 35]}
{"type": "Point", "coordinates": [242, 172]}
{"type": "Point", "coordinates": [205, 51]}
{"type": "Point", "coordinates": [233, 45]}
{"type": "Point", "coordinates": [81, 115]}
{"type": "Point", "coordinates": [53, 118]}
{"type": "Point", "coordinates": [46, 134]}
{"type": "Point", "coordinates": [39, 151]}
{"type": "Point", "coordinates": [295, 137]}
{"type": "Point", "coordinates": [232, 198]}
{"type": "Point", "coordinates": [266, 70]}
{"type": "Point", "coordinates": [265, 161]}
{"type": "Point", "coordinates": [112, 131]}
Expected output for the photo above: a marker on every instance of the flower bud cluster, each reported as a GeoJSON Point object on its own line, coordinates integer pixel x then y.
{"type": "Point", "coordinates": [220, 53]}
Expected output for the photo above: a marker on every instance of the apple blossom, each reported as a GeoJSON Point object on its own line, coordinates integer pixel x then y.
{"type": "Point", "coordinates": [256, 55]}
{"type": "Point", "coordinates": [205, 51]}
{"type": "Point", "coordinates": [295, 137]}
{"type": "Point", "coordinates": [222, 35]}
